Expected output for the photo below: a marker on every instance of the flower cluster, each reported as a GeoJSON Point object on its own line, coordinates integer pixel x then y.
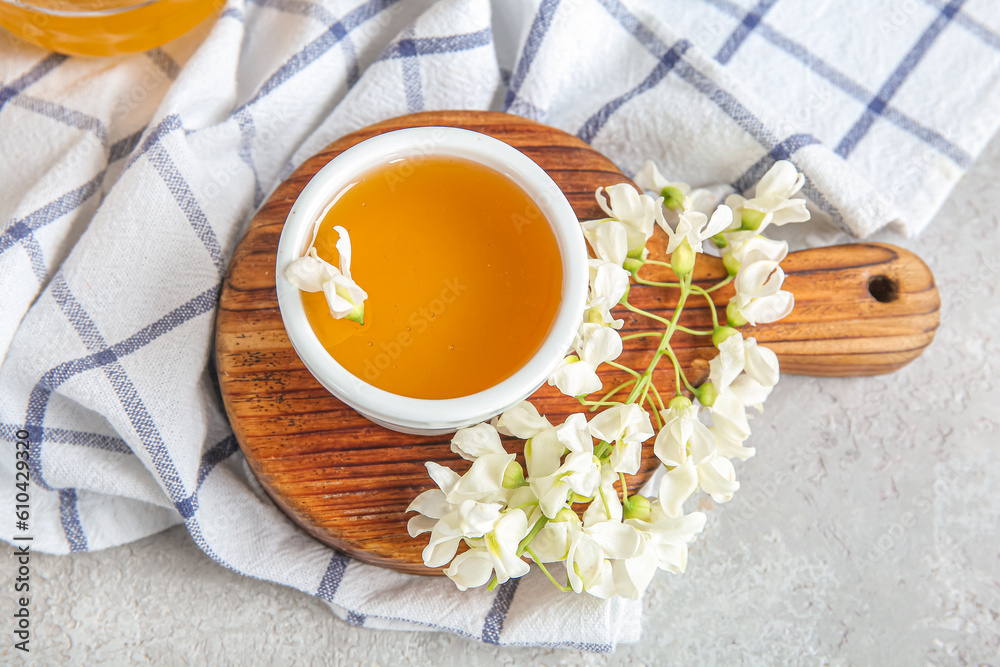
{"type": "Point", "coordinates": [565, 506]}
{"type": "Point", "coordinates": [501, 515]}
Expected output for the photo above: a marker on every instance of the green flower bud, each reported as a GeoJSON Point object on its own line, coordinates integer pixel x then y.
{"type": "Point", "coordinates": [679, 403]}
{"type": "Point", "coordinates": [752, 218]}
{"type": "Point", "coordinates": [673, 198]}
{"type": "Point", "coordinates": [682, 259]}
{"type": "Point", "coordinates": [633, 265]}
{"type": "Point", "coordinates": [733, 316]}
{"type": "Point", "coordinates": [722, 333]}
{"type": "Point", "coordinates": [637, 507]}
{"type": "Point", "coordinates": [594, 316]}
{"type": "Point", "coordinates": [513, 476]}
{"type": "Point", "coordinates": [707, 394]}
{"type": "Point", "coordinates": [565, 514]}
{"type": "Point", "coordinates": [731, 263]}
{"type": "Point", "coordinates": [358, 314]}
{"type": "Point", "coordinates": [720, 240]}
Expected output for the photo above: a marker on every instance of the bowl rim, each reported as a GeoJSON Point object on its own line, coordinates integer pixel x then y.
{"type": "Point", "coordinates": [418, 415]}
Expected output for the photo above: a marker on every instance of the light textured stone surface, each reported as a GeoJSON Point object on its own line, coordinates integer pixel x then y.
{"type": "Point", "coordinates": [867, 531]}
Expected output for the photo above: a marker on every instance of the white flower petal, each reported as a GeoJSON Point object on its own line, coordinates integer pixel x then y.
{"type": "Point", "coordinates": [344, 250]}
{"type": "Point", "coordinates": [718, 479]}
{"type": "Point", "coordinates": [444, 477]}
{"type": "Point", "coordinates": [477, 519]}
{"type": "Point", "coordinates": [543, 453]}
{"type": "Point", "coordinates": [721, 220]}
{"type": "Point", "coordinates": [475, 441]}
{"type": "Point", "coordinates": [552, 542]}
{"type": "Point", "coordinates": [574, 434]}
{"type": "Point", "coordinates": [729, 363]}
{"type": "Point", "coordinates": [633, 575]}
{"type": "Point", "coordinates": [761, 363]}
{"type": "Point", "coordinates": [610, 282]}
{"type": "Point", "coordinates": [782, 179]}
{"type": "Point", "coordinates": [471, 569]}
{"type": "Point", "coordinates": [676, 487]}
{"type": "Point", "coordinates": [576, 378]}
{"type": "Point", "coordinates": [483, 481]}
{"type": "Point", "coordinates": [616, 539]}
{"type": "Point", "coordinates": [769, 309]}
{"type": "Point", "coordinates": [420, 524]}
{"type": "Point", "coordinates": [601, 345]}
{"type": "Point", "coordinates": [430, 503]}
{"type": "Point", "coordinates": [522, 421]}
{"type": "Point", "coordinates": [626, 457]}
{"type": "Point", "coordinates": [650, 178]}
{"type": "Point", "coordinates": [310, 272]}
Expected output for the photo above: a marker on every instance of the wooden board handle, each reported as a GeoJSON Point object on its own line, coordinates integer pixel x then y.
{"type": "Point", "coordinates": [860, 309]}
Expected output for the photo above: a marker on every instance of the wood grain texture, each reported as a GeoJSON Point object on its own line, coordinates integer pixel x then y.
{"type": "Point", "coordinates": [348, 481]}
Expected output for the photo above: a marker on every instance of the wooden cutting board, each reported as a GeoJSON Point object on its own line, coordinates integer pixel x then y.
{"type": "Point", "coordinates": [860, 309]}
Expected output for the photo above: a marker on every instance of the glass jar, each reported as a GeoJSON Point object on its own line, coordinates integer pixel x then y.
{"type": "Point", "coordinates": [103, 27]}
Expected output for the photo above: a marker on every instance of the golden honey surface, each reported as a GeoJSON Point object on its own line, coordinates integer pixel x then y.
{"type": "Point", "coordinates": [463, 275]}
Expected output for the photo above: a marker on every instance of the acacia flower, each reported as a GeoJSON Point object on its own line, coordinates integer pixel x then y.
{"type": "Point", "coordinates": [608, 238]}
{"type": "Point", "coordinates": [580, 474]}
{"type": "Point", "coordinates": [499, 554]}
{"type": "Point", "coordinates": [311, 273]}
{"type": "Point", "coordinates": [608, 284]}
{"type": "Point", "coordinates": [637, 212]}
{"type": "Point", "coordinates": [589, 550]}
{"type": "Point", "coordinates": [758, 246]}
{"type": "Point", "coordinates": [627, 426]}
{"type": "Point", "coordinates": [696, 227]}
{"type": "Point", "coordinates": [759, 297]}
{"type": "Point", "coordinates": [772, 203]}
{"type": "Point", "coordinates": [663, 545]}
{"type": "Point", "coordinates": [683, 432]}
{"type": "Point", "coordinates": [577, 376]}
{"type": "Point", "coordinates": [716, 477]}
{"type": "Point", "coordinates": [677, 195]}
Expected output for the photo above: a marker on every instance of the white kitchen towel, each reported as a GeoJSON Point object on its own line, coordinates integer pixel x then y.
{"type": "Point", "coordinates": [126, 183]}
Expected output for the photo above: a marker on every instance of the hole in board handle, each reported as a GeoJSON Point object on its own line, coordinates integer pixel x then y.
{"type": "Point", "coordinates": [883, 289]}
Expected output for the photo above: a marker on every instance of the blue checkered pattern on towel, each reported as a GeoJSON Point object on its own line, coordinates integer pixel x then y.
{"type": "Point", "coordinates": [126, 185]}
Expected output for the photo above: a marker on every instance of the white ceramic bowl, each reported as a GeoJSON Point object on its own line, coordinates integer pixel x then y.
{"type": "Point", "coordinates": [414, 415]}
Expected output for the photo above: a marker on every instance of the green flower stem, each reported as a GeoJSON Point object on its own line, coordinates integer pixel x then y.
{"type": "Point", "coordinates": [694, 332]}
{"type": "Point", "coordinates": [718, 285]}
{"type": "Point", "coordinates": [659, 400]}
{"type": "Point", "coordinates": [607, 510]}
{"type": "Point", "coordinates": [621, 476]}
{"type": "Point", "coordinates": [711, 304]}
{"type": "Point", "coordinates": [537, 528]}
{"type": "Point", "coordinates": [625, 368]}
{"type": "Point", "coordinates": [652, 406]}
{"type": "Point", "coordinates": [614, 391]}
{"type": "Point", "coordinates": [545, 570]}
{"type": "Point", "coordinates": [601, 449]}
{"type": "Point", "coordinates": [645, 334]}
{"type": "Point", "coordinates": [640, 311]}
{"type": "Point", "coordinates": [654, 283]}
{"type": "Point", "coordinates": [680, 373]}
{"type": "Point", "coordinates": [658, 263]}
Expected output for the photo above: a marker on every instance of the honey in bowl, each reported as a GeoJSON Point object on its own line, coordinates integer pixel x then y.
{"type": "Point", "coordinates": [463, 275]}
